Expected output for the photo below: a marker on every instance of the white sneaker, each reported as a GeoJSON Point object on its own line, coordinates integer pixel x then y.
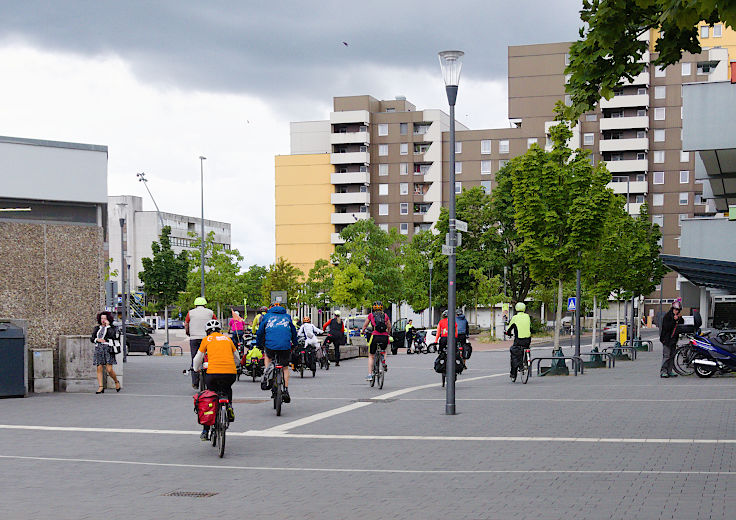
{"type": "Point", "coordinates": [369, 377]}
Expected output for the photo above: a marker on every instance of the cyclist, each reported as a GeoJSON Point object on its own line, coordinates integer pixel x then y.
{"type": "Point", "coordinates": [259, 316]}
{"type": "Point", "coordinates": [222, 365]}
{"type": "Point", "coordinates": [381, 330]}
{"type": "Point", "coordinates": [236, 324]}
{"type": "Point", "coordinates": [462, 329]}
{"type": "Point", "coordinates": [276, 332]}
{"type": "Point", "coordinates": [335, 334]}
{"type": "Point", "coordinates": [520, 326]}
{"type": "Point", "coordinates": [309, 333]}
{"type": "Point", "coordinates": [442, 330]}
{"type": "Point", "coordinates": [194, 326]}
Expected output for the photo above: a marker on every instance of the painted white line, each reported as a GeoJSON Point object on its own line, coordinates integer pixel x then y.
{"type": "Point", "coordinates": [565, 400]}
{"type": "Point", "coordinates": [372, 470]}
{"type": "Point", "coordinates": [285, 427]}
{"type": "Point", "coordinates": [94, 430]}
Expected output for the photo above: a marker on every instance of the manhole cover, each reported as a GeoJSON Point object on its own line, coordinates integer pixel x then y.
{"type": "Point", "coordinates": [250, 401]}
{"type": "Point", "coordinates": [390, 400]}
{"type": "Point", "coordinates": [190, 494]}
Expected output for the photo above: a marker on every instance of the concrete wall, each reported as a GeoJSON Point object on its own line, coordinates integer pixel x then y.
{"type": "Point", "coordinates": [309, 137]}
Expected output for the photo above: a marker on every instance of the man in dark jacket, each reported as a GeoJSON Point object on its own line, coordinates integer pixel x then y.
{"type": "Point", "coordinates": [668, 335]}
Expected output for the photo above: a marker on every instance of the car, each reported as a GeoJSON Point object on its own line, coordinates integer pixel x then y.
{"type": "Point", "coordinates": [610, 332]}
{"type": "Point", "coordinates": [398, 332]}
{"type": "Point", "coordinates": [173, 324]}
{"type": "Point", "coordinates": [138, 339]}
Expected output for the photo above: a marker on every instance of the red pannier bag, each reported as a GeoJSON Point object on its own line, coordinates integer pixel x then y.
{"type": "Point", "coordinates": [205, 406]}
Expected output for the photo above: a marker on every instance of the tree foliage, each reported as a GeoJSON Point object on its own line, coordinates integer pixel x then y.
{"type": "Point", "coordinates": [351, 287]}
{"type": "Point", "coordinates": [251, 282]}
{"type": "Point", "coordinates": [416, 256]}
{"type": "Point", "coordinates": [282, 276]}
{"type": "Point", "coordinates": [319, 284]}
{"type": "Point", "coordinates": [165, 274]}
{"type": "Point", "coordinates": [609, 47]}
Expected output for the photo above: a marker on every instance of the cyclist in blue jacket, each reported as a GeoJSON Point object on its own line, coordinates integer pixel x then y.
{"type": "Point", "coordinates": [277, 334]}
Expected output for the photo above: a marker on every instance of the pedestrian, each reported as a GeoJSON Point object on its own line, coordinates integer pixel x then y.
{"type": "Point", "coordinates": [194, 326]}
{"type": "Point", "coordinates": [236, 325]}
{"type": "Point", "coordinates": [697, 320]}
{"type": "Point", "coordinates": [669, 333]}
{"type": "Point", "coordinates": [104, 338]}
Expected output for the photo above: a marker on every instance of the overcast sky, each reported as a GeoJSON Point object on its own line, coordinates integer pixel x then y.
{"type": "Point", "coordinates": [163, 82]}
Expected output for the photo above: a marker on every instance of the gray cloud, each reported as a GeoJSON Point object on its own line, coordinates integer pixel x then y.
{"type": "Point", "coordinates": [286, 48]}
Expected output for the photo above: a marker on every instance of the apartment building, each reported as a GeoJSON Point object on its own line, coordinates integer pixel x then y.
{"type": "Point", "coordinates": [391, 161]}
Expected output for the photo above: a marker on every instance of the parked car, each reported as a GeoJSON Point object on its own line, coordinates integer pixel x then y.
{"type": "Point", "coordinates": [610, 332]}
{"type": "Point", "coordinates": [139, 340]}
{"type": "Point", "coordinates": [173, 324]}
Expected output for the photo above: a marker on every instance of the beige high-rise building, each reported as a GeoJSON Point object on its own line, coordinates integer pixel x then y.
{"type": "Point", "coordinates": [390, 161]}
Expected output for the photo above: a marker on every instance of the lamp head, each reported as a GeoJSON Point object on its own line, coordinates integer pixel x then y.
{"type": "Point", "coordinates": [451, 62]}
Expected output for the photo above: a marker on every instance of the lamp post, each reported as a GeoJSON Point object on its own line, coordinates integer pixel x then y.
{"type": "Point", "coordinates": [122, 289]}
{"type": "Point", "coordinates": [451, 64]}
{"type": "Point", "coordinates": [430, 264]}
{"type": "Point", "coordinates": [201, 178]}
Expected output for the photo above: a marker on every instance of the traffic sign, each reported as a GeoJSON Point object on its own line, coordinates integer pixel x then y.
{"type": "Point", "coordinates": [461, 226]}
{"type": "Point", "coordinates": [448, 250]}
{"type": "Point", "coordinates": [571, 303]}
{"type": "Point", "coordinates": [458, 239]}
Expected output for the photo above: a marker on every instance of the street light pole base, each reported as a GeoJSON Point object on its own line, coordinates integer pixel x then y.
{"type": "Point", "coordinates": [449, 409]}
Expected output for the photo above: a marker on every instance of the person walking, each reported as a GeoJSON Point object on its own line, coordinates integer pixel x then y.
{"type": "Point", "coordinates": [104, 337]}
{"type": "Point", "coordinates": [668, 335]}
{"type": "Point", "coordinates": [409, 333]}
{"type": "Point", "coordinates": [194, 326]}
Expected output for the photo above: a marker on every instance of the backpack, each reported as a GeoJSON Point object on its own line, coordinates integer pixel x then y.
{"type": "Point", "coordinates": [309, 331]}
{"type": "Point", "coordinates": [380, 319]}
{"type": "Point", "coordinates": [462, 324]}
{"type": "Point", "coordinates": [205, 406]}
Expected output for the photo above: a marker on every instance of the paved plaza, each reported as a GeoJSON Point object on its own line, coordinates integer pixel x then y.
{"type": "Point", "coordinates": [612, 443]}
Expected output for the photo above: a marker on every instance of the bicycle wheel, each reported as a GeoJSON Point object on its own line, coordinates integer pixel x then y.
{"type": "Point", "coordinates": [381, 373]}
{"type": "Point", "coordinates": [213, 432]}
{"type": "Point", "coordinates": [373, 375]}
{"type": "Point", "coordinates": [223, 420]}
{"type": "Point", "coordinates": [432, 347]}
{"type": "Point", "coordinates": [279, 394]}
{"type": "Point", "coordinates": [684, 361]}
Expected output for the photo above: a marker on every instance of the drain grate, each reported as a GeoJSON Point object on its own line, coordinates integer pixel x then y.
{"type": "Point", "coordinates": [389, 400]}
{"type": "Point", "coordinates": [190, 494]}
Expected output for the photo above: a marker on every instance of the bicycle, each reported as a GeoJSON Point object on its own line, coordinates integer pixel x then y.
{"type": "Point", "coordinates": [222, 423]}
{"type": "Point", "coordinates": [279, 387]}
{"type": "Point", "coordinates": [324, 360]}
{"type": "Point", "coordinates": [526, 366]}
{"type": "Point", "coordinates": [378, 370]}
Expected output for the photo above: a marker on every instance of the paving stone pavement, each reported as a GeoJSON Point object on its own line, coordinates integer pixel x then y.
{"type": "Point", "coordinates": [610, 444]}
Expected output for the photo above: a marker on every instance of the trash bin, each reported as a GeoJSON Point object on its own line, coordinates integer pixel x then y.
{"type": "Point", "coordinates": [13, 364]}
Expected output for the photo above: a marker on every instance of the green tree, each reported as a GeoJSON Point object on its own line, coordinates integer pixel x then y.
{"type": "Point", "coordinates": [251, 282]}
{"type": "Point", "coordinates": [283, 276]}
{"type": "Point", "coordinates": [609, 47]}
{"type": "Point", "coordinates": [560, 200]}
{"type": "Point", "coordinates": [416, 255]}
{"type": "Point", "coordinates": [488, 290]}
{"type": "Point", "coordinates": [351, 287]}
{"type": "Point", "coordinates": [319, 284]}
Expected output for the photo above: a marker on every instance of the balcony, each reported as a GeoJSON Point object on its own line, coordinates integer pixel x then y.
{"type": "Point", "coordinates": [624, 123]}
{"type": "Point", "coordinates": [350, 138]}
{"type": "Point", "coordinates": [640, 79]}
{"type": "Point", "coordinates": [350, 116]}
{"type": "Point", "coordinates": [359, 197]}
{"type": "Point", "coordinates": [348, 218]}
{"type": "Point", "coordinates": [350, 158]}
{"type": "Point", "coordinates": [620, 145]}
{"type": "Point", "coordinates": [636, 100]}
{"type": "Point", "coordinates": [621, 188]}
{"type": "Point", "coordinates": [335, 239]}
{"type": "Point", "coordinates": [634, 208]}
{"type": "Point", "coordinates": [350, 178]}
{"type": "Point", "coordinates": [631, 165]}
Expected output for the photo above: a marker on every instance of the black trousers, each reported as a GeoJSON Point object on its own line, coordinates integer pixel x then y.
{"type": "Point", "coordinates": [220, 383]}
{"type": "Point", "coordinates": [193, 348]}
{"type": "Point", "coordinates": [517, 353]}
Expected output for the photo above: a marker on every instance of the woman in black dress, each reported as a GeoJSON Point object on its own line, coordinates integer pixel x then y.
{"type": "Point", "coordinates": [103, 337]}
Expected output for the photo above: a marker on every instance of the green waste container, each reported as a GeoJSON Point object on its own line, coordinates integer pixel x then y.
{"type": "Point", "coordinates": [13, 367]}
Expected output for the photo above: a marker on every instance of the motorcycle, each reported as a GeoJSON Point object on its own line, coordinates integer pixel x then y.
{"type": "Point", "coordinates": [713, 355]}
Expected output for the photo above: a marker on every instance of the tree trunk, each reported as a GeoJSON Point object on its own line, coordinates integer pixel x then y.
{"type": "Point", "coordinates": [558, 315]}
{"type": "Point", "coordinates": [592, 343]}
{"type": "Point", "coordinates": [166, 322]}
{"type": "Point", "coordinates": [618, 317]}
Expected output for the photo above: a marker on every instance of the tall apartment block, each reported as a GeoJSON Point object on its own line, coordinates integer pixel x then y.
{"type": "Point", "coordinates": [389, 161]}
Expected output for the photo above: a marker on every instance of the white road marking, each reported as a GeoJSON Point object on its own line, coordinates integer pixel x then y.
{"type": "Point", "coordinates": [354, 406]}
{"type": "Point", "coordinates": [373, 470]}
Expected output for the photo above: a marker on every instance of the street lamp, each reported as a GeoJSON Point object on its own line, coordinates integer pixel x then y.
{"type": "Point", "coordinates": [123, 318]}
{"type": "Point", "coordinates": [430, 264]}
{"type": "Point", "coordinates": [142, 178]}
{"type": "Point", "coordinates": [451, 63]}
{"type": "Point", "coordinates": [201, 177]}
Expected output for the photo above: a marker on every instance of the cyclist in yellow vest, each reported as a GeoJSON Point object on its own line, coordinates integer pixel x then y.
{"type": "Point", "coordinates": [521, 326]}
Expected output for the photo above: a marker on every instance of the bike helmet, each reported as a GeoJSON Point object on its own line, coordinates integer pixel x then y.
{"type": "Point", "coordinates": [263, 309]}
{"type": "Point", "coordinates": [306, 319]}
{"type": "Point", "coordinates": [212, 325]}
{"type": "Point", "coordinates": [337, 313]}
{"type": "Point", "coordinates": [200, 300]}
{"type": "Point", "coordinates": [520, 307]}
{"type": "Point", "coordinates": [444, 314]}
{"type": "Point", "coordinates": [458, 312]}
{"type": "Point", "coordinates": [377, 306]}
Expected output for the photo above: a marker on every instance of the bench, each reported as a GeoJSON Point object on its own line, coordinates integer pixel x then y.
{"type": "Point", "coordinates": [577, 362]}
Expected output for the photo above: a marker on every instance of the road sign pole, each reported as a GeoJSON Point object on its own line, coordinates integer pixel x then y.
{"type": "Point", "coordinates": [577, 315]}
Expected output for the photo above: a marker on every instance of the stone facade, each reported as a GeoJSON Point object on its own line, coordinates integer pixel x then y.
{"type": "Point", "coordinates": [52, 276]}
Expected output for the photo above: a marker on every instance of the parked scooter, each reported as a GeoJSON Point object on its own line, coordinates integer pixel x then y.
{"type": "Point", "coordinates": [713, 355]}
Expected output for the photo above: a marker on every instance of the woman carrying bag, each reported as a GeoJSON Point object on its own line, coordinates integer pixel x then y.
{"type": "Point", "coordinates": [104, 339]}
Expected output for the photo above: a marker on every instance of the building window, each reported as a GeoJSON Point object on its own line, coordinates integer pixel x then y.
{"type": "Point", "coordinates": [458, 187]}
{"type": "Point", "coordinates": [641, 156]}
{"type": "Point", "coordinates": [658, 178]}
{"type": "Point", "coordinates": [404, 228]}
{"type": "Point", "coordinates": [659, 72]}
{"type": "Point", "coordinates": [588, 138]}
{"type": "Point", "coordinates": [639, 199]}
{"type": "Point", "coordinates": [659, 114]}
{"type": "Point", "coordinates": [383, 189]}
{"type": "Point", "coordinates": [684, 176]}
{"type": "Point", "coordinates": [403, 128]}
{"type": "Point", "coordinates": [677, 242]}
{"type": "Point", "coordinates": [403, 188]}
{"type": "Point", "coordinates": [641, 91]}
{"type": "Point", "coordinates": [568, 100]}
{"type": "Point", "coordinates": [383, 170]}
{"type": "Point", "coordinates": [684, 198]}
{"type": "Point", "coordinates": [658, 219]}
{"type": "Point", "coordinates": [699, 199]}
{"type": "Point", "coordinates": [503, 146]}
{"type": "Point", "coordinates": [641, 134]}
{"type": "Point", "coordinates": [658, 199]}
{"type": "Point", "coordinates": [486, 185]}
{"type": "Point", "coordinates": [485, 167]}
{"type": "Point", "coordinates": [567, 59]}
{"type": "Point", "coordinates": [686, 69]}
{"type": "Point", "coordinates": [659, 135]}
{"type": "Point", "coordinates": [458, 147]}
{"type": "Point", "coordinates": [383, 149]}
{"type": "Point", "coordinates": [404, 148]}
{"type": "Point", "coordinates": [684, 156]}
{"type": "Point", "coordinates": [531, 141]}
{"type": "Point", "coordinates": [458, 168]}
{"type": "Point", "coordinates": [383, 129]}
{"type": "Point", "coordinates": [404, 208]}
{"type": "Point", "coordinates": [383, 209]}
{"type": "Point", "coordinates": [660, 92]}
{"type": "Point", "coordinates": [485, 146]}
{"type": "Point", "coordinates": [502, 163]}
{"type": "Point", "coordinates": [384, 227]}
{"type": "Point", "coordinates": [591, 117]}
{"type": "Point", "coordinates": [704, 31]}
{"type": "Point", "coordinates": [680, 218]}
{"type": "Point", "coordinates": [567, 78]}
{"type": "Point", "coordinates": [403, 168]}
{"type": "Point", "coordinates": [717, 30]}
{"type": "Point", "coordinates": [658, 156]}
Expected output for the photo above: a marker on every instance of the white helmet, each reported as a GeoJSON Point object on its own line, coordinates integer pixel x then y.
{"type": "Point", "coordinates": [212, 325]}
{"type": "Point", "coordinates": [337, 313]}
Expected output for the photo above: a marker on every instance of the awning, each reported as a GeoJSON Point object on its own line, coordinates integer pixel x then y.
{"type": "Point", "coordinates": [704, 272]}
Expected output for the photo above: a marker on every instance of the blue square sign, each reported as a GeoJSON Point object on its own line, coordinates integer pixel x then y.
{"type": "Point", "coordinates": [571, 304]}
